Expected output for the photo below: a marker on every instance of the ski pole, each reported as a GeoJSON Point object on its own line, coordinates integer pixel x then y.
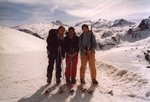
{"type": "Point", "coordinates": [56, 63]}
{"type": "Point", "coordinates": [71, 67]}
{"type": "Point", "coordinates": [63, 78]}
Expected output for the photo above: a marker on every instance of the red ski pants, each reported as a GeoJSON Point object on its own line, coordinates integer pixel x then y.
{"type": "Point", "coordinates": [71, 67]}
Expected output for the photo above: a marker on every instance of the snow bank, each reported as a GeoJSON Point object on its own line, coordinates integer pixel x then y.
{"type": "Point", "coordinates": [13, 41]}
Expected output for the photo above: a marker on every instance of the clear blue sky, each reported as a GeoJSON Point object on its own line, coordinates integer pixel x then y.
{"type": "Point", "coordinates": [17, 12]}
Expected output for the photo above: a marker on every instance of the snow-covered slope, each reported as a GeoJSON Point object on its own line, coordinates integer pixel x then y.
{"type": "Point", "coordinates": [23, 73]}
{"type": "Point", "coordinates": [39, 29]}
{"type": "Point", "coordinates": [13, 41]}
{"type": "Point", "coordinates": [130, 60]}
{"type": "Point", "coordinates": [20, 64]}
{"type": "Point", "coordinates": [128, 54]}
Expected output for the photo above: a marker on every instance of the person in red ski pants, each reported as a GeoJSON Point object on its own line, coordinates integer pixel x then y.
{"type": "Point", "coordinates": [71, 50]}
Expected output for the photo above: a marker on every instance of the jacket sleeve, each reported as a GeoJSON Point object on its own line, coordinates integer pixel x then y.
{"type": "Point", "coordinates": [48, 40]}
{"type": "Point", "coordinates": [94, 44]}
{"type": "Point", "coordinates": [80, 43]}
{"type": "Point", "coordinates": [62, 44]}
{"type": "Point", "coordinates": [65, 45]}
{"type": "Point", "coordinates": [77, 45]}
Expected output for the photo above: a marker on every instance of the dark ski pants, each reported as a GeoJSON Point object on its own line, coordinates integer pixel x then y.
{"type": "Point", "coordinates": [52, 60]}
{"type": "Point", "coordinates": [71, 67]}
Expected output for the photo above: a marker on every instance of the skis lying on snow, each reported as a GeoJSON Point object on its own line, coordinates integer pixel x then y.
{"type": "Point", "coordinates": [69, 87]}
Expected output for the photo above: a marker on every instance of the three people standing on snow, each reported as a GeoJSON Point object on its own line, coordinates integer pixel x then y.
{"type": "Point", "coordinates": [59, 47]}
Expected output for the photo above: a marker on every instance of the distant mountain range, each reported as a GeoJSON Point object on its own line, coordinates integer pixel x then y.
{"type": "Point", "coordinates": [108, 33]}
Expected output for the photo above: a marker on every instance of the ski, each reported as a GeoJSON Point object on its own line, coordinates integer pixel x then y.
{"type": "Point", "coordinates": [62, 88]}
{"type": "Point", "coordinates": [71, 91]}
{"type": "Point", "coordinates": [49, 89]}
{"type": "Point", "coordinates": [69, 87]}
{"type": "Point", "coordinates": [91, 89]}
{"type": "Point", "coordinates": [72, 88]}
{"type": "Point", "coordinates": [82, 88]}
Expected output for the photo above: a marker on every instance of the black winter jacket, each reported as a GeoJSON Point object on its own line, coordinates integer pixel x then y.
{"type": "Point", "coordinates": [71, 44]}
{"type": "Point", "coordinates": [53, 42]}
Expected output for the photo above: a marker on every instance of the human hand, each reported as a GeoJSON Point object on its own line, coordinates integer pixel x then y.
{"type": "Point", "coordinates": [89, 52]}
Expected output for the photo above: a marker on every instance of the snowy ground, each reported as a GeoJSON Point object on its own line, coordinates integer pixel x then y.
{"type": "Point", "coordinates": [23, 74]}
{"type": "Point", "coordinates": [23, 79]}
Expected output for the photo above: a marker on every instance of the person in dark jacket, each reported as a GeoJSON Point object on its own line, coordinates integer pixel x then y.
{"type": "Point", "coordinates": [71, 49]}
{"type": "Point", "coordinates": [55, 50]}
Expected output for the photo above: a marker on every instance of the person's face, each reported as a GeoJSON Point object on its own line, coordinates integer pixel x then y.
{"type": "Point", "coordinates": [71, 33]}
{"type": "Point", "coordinates": [61, 31]}
{"type": "Point", "coordinates": [85, 29]}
